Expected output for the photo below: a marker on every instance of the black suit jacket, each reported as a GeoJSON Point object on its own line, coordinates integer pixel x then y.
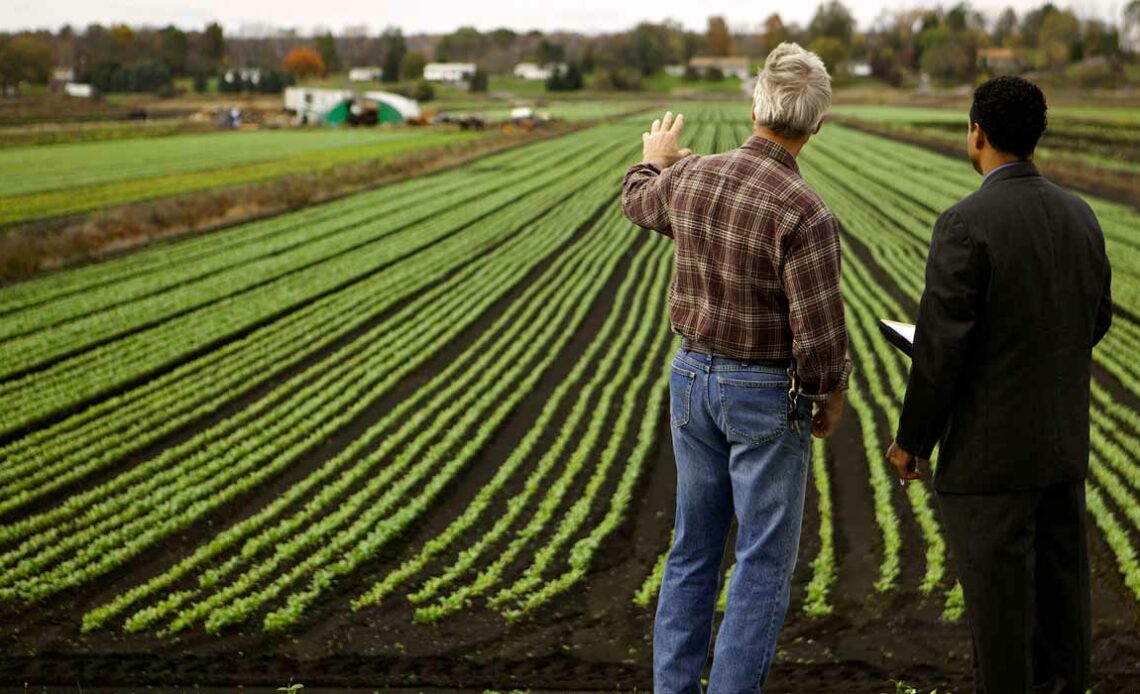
{"type": "Point", "coordinates": [1017, 294]}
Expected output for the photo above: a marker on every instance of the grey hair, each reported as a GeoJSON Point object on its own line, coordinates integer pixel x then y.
{"type": "Point", "coordinates": [793, 91]}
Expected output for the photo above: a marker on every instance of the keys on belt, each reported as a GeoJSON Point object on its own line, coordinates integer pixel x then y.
{"type": "Point", "coordinates": [793, 398]}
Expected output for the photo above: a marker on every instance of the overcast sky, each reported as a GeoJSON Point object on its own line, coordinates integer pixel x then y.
{"type": "Point", "coordinates": [445, 15]}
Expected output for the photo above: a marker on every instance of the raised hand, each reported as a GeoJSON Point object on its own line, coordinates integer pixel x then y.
{"type": "Point", "coordinates": [659, 145]}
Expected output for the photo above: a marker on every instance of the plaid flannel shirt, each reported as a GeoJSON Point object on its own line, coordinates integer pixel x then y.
{"type": "Point", "coordinates": [756, 259]}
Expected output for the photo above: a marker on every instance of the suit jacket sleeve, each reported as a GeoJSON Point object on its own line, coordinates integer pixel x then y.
{"type": "Point", "coordinates": [1104, 312]}
{"type": "Point", "coordinates": [947, 313]}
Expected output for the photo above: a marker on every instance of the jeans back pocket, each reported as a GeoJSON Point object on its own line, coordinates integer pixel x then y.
{"type": "Point", "coordinates": [755, 406]}
{"type": "Point", "coordinates": [680, 394]}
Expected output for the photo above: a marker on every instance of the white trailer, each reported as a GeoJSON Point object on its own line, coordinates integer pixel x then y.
{"type": "Point", "coordinates": [448, 72]}
{"type": "Point", "coordinates": [311, 105]}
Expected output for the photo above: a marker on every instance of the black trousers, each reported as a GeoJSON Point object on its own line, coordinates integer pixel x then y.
{"type": "Point", "coordinates": [1023, 561]}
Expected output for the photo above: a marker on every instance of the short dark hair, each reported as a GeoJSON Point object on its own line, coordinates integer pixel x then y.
{"type": "Point", "coordinates": [1011, 111]}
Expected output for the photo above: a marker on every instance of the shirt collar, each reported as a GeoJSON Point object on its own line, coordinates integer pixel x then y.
{"type": "Point", "coordinates": [765, 147]}
{"type": "Point", "coordinates": [1013, 169]}
{"type": "Point", "coordinates": [999, 168]}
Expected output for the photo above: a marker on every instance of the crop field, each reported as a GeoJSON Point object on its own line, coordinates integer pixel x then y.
{"type": "Point", "coordinates": [419, 436]}
{"type": "Point", "coordinates": [51, 180]}
{"type": "Point", "coordinates": [1098, 136]}
{"type": "Point", "coordinates": [565, 110]}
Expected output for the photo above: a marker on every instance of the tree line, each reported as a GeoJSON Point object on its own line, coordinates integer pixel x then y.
{"type": "Point", "coordinates": [951, 45]}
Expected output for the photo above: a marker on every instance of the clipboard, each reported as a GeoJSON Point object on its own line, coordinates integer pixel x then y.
{"type": "Point", "coordinates": [901, 335]}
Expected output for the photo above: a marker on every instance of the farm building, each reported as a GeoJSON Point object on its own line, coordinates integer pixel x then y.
{"type": "Point", "coordinates": [369, 73]}
{"type": "Point", "coordinates": [313, 105]}
{"type": "Point", "coordinates": [337, 106]}
{"type": "Point", "coordinates": [448, 72]}
{"type": "Point", "coordinates": [62, 75]}
{"type": "Point", "coordinates": [79, 89]}
{"type": "Point", "coordinates": [392, 108]}
{"type": "Point", "coordinates": [858, 68]}
{"type": "Point", "coordinates": [1000, 60]}
{"type": "Point", "coordinates": [534, 71]}
{"type": "Point", "coordinates": [730, 66]}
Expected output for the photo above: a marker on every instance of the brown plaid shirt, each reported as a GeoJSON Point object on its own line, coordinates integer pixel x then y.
{"type": "Point", "coordinates": [757, 258]}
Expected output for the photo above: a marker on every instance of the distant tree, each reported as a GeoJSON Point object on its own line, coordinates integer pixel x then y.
{"type": "Point", "coordinates": [273, 82]}
{"type": "Point", "coordinates": [303, 61]}
{"type": "Point", "coordinates": [692, 43]}
{"type": "Point", "coordinates": [548, 52]}
{"type": "Point", "coordinates": [831, 51]}
{"type": "Point", "coordinates": [1005, 27]}
{"type": "Point", "coordinates": [394, 48]}
{"type": "Point", "coordinates": [173, 48]}
{"type": "Point", "coordinates": [465, 43]}
{"type": "Point", "coordinates": [214, 42]}
{"type": "Point", "coordinates": [326, 46]}
{"type": "Point", "coordinates": [618, 79]}
{"type": "Point", "coordinates": [833, 19]}
{"type": "Point", "coordinates": [885, 65]}
{"type": "Point", "coordinates": [135, 77]}
{"type": "Point", "coordinates": [1099, 39]}
{"type": "Point", "coordinates": [775, 32]}
{"type": "Point", "coordinates": [201, 83]}
{"type": "Point", "coordinates": [714, 74]}
{"type": "Point", "coordinates": [412, 66]}
{"type": "Point", "coordinates": [503, 37]}
{"type": "Point", "coordinates": [572, 80]}
{"type": "Point", "coordinates": [650, 47]}
{"type": "Point", "coordinates": [25, 58]}
{"type": "Point", "coordinates": [956, 18]}
{"type": "Point", "coordinates": [1060, 38]}
{"type": "Point", "coordinates": [422, 90]}
{"type": "Point", "coordinates": [556, 81]}
{"type": "Point", "coordinates": [947, 55]}
{"type": "Point", "coordinates": [123, 45]}
{"type": "Point", "coordinates": [717, 37]}
{"type": "Point", "coordinates": [1032, 22]}
{"type": "Point", "coordinates": [478, 81]}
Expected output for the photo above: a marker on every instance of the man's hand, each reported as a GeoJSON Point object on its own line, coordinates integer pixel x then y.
{"type": "Point", "coordinates": [659, 145]}
{"type": "Point", "coordinates": [827, 415]}
{"type": "Point", "coordinates": [904, 463]}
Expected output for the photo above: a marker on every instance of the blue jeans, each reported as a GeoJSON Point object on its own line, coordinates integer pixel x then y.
{"type": "Point", "coordinates": [736, 454]}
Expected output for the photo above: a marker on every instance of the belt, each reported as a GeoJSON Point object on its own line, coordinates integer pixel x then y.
{"type": "Point", "coordinates": [693, 346]}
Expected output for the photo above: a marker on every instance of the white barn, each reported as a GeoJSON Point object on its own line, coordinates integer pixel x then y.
{"type": "Point", "coordinates": [369, 73]}
{"type": "Point", "coordinates": [534, 71]}
{"type": "Point", "coordinates": [448, 72]}
{"type": "Point", "coordinates": [79, 90]}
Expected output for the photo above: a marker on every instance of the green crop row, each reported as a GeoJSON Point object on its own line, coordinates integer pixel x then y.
{"type": "Point", "coordinates": [520, 456]}
{"type": "Point", "coordinates": [70, 451]}
{"type": "Point", "coordinates": [301, 406]}
{"type": "Point", "coordinates": [84, 181]}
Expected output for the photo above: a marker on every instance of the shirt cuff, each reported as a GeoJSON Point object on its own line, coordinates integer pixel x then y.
{"type": "Point", "coordinates": [841, 384]}
{"type": "Point", "coordinates": [648, 165]}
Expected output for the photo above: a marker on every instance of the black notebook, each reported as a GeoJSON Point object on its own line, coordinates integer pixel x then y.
{"type": "Point", "coordinates": [900, 335]}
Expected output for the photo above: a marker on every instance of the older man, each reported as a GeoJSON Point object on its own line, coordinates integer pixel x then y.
{"type": "Point", "coordinates": [755, 297]}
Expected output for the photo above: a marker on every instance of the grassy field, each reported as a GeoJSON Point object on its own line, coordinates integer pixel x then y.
{"type": "Point", "coordinates": [419, 436]}
{"type": "Point", "coordinates": [48, 181]}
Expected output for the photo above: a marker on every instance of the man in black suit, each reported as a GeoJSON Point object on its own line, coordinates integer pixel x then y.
{"type": "Point", "coordinates": [1017, 294]}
